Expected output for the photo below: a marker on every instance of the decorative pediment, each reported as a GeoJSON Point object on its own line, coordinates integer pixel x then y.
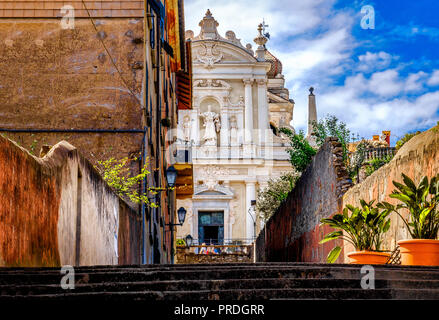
{"type": "Point", "coordinates": [210, 52]}
{"type": "Point", "coordinates": [209, 83]}
{"type": "Point", "coordinates": [213, 191]}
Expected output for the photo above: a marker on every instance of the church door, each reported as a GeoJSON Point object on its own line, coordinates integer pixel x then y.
{"type": "Point", "coordinates": [211, 227]}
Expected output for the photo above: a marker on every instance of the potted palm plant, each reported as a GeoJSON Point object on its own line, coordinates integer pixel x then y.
{"type": "Point", "coordinates": [364, 228]}
{"type": "Point", "coordinates": [422, 202]}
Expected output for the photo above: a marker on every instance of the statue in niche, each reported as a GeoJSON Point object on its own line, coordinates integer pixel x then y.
{"type": "Point", "coordinates": [212, 125]}
{"type": "Point", "coordinates": [233, 131]}
{"type": "Point", "coordinates": [187, 128]}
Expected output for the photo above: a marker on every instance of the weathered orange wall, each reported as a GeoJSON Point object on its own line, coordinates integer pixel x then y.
{"type": "Point", "coordinates": [417, 158]}
{"type": "Point", "coordinates": [29, 203]}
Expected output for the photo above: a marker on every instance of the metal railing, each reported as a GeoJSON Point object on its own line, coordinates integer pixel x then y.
{"type": "Point", "coordinates": [233, 241]}
{"type": "Point", "coordinates": [242, 246]}
{"type": "Point", "coordinates": [378, 153]}
{"type": "Point", "coordinates": [220, 249]}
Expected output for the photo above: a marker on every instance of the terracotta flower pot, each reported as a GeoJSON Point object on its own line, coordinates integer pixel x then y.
{"type": "Point", "coordinates": [419, 252]}
{"type": "Point", "coordinates": [368, 257]}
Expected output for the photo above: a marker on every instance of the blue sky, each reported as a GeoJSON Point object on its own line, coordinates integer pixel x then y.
{"type": "Point", "coordinates": [386, 78]}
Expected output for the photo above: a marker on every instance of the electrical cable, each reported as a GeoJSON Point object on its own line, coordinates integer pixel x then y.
{"type": "Point", "coordinates": [111, 58]}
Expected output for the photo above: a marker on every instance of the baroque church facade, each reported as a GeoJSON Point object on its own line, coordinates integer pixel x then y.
{"type": "Point", "coordinates": [239, 102]}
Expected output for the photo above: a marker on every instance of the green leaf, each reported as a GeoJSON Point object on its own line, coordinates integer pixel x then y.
{"type": "Point", "coordinates": [331, 236]}
{"type": "Point", "coordinates": [400, 196]}
{"type": "Point", "coordinates": [363, 203]}
{"type": "Point", "coordinates": [404, 189]}
{"type": "Point", "coordinates": [333, 255]}
{"type": "Point", "coordinates": [409, 182]}
{"type": "Point", "coordinates": [423, 216]}
{"type": "Point", "coordinates": [386, 226]}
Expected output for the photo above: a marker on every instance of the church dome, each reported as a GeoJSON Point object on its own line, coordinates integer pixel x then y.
{"type": "Point", "coordinates": [276, 65]}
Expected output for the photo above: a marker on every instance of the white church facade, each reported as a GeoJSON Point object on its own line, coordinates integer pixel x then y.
{"type": "Point", "coordinates": [239, 102]}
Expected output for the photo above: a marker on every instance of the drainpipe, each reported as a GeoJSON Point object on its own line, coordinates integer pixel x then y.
{"type": "Point", "coordinates": [143, 162]}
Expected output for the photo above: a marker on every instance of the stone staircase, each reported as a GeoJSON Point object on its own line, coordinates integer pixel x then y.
{"type": "Point", "coordinates": [260, 281]}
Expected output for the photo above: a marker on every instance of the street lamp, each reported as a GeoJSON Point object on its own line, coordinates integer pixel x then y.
{"type": "Point", "coordinates": [181, 213]}
{"type": "Point", "coordinates": [188, 241]}
{"type": "Point", "coordinates": [171, 176]}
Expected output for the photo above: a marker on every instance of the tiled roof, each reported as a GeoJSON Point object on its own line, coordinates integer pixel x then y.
{"type": "Point", "coordinates": [276, 64]}
{"type": "Point", "coordinates": [51, 8]}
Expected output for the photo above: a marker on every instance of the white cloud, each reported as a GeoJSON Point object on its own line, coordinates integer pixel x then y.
{"type": "Point", "coordinates": [325, 51]}
{"type": "Point", "coordinates": [434, 79]}
{"type": "Point", "coordinates": [374, 61]}
{"type": "Point", "coordinates": [386, 83]}
{"type": "Point", "coordinates": [415, 81]}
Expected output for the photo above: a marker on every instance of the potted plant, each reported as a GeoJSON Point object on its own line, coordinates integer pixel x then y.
{"type": "Point", "coordinates": [422, 202]}
{"type": "Point", "coordinates": [364, 229]}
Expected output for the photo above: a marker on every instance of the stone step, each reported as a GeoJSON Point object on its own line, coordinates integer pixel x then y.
{"type": "Point", "coordinates": [234, 294]}
{"type": "Point", "coordinates": [291, 272]}
{"type": "Point", "coordinates": [225, 281]}
{"type": "Point", "coordinates": [242, 294]}
{"type": "Point", "coordinates": [197, 285]}
{"type": "Point", "coordinates": [237, 266]}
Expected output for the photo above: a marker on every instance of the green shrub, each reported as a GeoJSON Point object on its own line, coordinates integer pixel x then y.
{"type": "Point", "coordinates": [180, 242]}
{"type": "Point", "coordinates": [271, 197]}
{"type": "Point", "coordinates": [300, 150]}
{"type": "Point", "coordinates": [377, 163]}
{"type": "Point", "coordinates": [331, 126]}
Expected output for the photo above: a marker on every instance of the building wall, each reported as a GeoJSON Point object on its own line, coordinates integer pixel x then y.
{"type": "Point", "coordinates": [417, 158]}
{"type": "Point", "coordinates": [52, 9]}
{"type": "Point", "coordinates": [293, 232]}
{"type": "Point", "coordinates": [54, 78]}
{"type": "Point", "coordinates": [57, 210]}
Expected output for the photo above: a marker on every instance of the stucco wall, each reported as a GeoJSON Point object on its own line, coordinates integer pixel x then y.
{"type": "Point", "coordinates": [417, 158]}
{"type": "Point", "coordinates": [293, 232]}
{"type": "Point", "coordinates": [57, 210]}
{"type": "Point", "coordinates": [55, 78]}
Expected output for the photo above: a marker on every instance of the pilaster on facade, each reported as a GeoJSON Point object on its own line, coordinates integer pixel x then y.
{"type": "Point", "coordinates": [263, 118]}
{"type": "Point", "coordinates": [250, 195]}
{"type": "Point", "coordinates": [248, 117]}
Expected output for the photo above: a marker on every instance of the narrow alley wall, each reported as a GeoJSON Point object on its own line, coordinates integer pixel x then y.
{"type": "Point", "coordinates": [417, 158]}
{"type": "Point", "coordinates": [57, 210]}
{"type": "Point", "coordinates": [293, 232]}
